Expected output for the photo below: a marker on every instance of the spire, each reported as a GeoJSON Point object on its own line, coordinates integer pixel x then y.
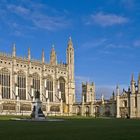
{"type": "Point", "coordinates": [113, 95]}
{"type": "Point", "coordinates": [53, 59]}
{"type": "Point", "coordinates": [117, 90]}
{"type": "Point", "coordinates": [43, 56]}
{"type": "Point", "coordinates": [129, 89]}
{"type": "Point", "coordinates": [29, 54]}
{"type": "Point", "coordinates": [132, 78]}
{"type": "Point", "coordinates": [14, 50]}
{"type": "Point", "coordinates": [53, 49]}
{"type": "Point", "coordinates": [133, 88]}
{"type": "Point", "coordinates": [102, 99]}
{"type": "Point", "coordinates": [70, 44]}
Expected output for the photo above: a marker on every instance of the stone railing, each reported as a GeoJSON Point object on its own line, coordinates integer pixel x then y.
{"type": "Point", "coordinates": [5, 54]}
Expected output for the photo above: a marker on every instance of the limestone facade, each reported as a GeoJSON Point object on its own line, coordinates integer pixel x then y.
{"type": "Point", "coordinates": [87, 105]}
{"type": "Point", "coordinates": [128, 102]}
{"type": "Point", "coordinates": [21, 77]}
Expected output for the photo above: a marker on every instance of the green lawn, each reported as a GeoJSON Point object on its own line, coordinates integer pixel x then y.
{"type": "Point", "coordinates": [70, 129]}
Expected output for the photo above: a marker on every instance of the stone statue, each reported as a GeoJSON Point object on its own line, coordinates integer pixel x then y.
{"type": "Point", "coordinates": [37, 112]}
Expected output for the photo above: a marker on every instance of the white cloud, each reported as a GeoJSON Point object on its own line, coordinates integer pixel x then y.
{"type": "Point", "coordinates": [117, 46]}
{"type": "Point", "coordinates": [104, 45]}
{"type": "Point", "coordinates": [107, 90]}
{"type": "Point", "coordinates": [94, 43]}
{"type": "Point", "coordinates": [38, 18]}
{"type": "Point", "coordinates": [107, 19]}
{"type": "Point", "coordinates": [49, 23]}
{"type": "Point", "coordinates": [36, 15]}
{"type": "Point", "coordinates": [18, 9]}
{"type": "Point", "coordinates": [82, 78]}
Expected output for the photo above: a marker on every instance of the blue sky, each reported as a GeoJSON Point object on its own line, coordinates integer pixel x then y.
{"type": "Point", "coordinates": [105, 34]}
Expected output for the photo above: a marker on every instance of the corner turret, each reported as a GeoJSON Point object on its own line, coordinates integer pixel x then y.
{"type": "Point", "coordinates": [70, 59]}
{"type": "Point", "coordinates": [71, 81]}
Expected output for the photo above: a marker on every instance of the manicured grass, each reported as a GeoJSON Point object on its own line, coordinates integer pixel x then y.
{"type": "Point", "coordinates": [71, 129]}
{"type": "Point", "coordinates": [8, 117]}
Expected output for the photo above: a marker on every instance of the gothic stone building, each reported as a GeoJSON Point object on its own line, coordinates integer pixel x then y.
{"type": "Point", "coordinates": [21, 77]}
{"type": "Point", "coordinates": [120, 105]}
{"type": "Point", "coordinates": [128, 103]}
{"type": "Point", "coordinates": [90, 106]}
{"type": "Point", "coordinates": [87, 107]}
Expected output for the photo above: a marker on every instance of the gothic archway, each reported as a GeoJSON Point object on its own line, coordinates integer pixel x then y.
{"type": "Point", "coordinates": [36, 82]}
{"type": "Point", "coordinates": [62, 88]}
{"type": "Point", "coordinates": [21, 83]}
{"type": "Point", "coordinates": [5, 83]}
{"type": "Point", "coordinates": [49, 87]}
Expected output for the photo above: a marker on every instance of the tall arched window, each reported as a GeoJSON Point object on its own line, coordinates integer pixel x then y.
{"type": "Point", "coordinates": [62, 88]}
{"type": "Point", "coordinates": [5, 83]}
{"type": "Point", "coordinates": [36, 82]}
{"type": "Point", "coordinates": [49, 87]}
{"type": "Point", "coordinates": [21, 83]}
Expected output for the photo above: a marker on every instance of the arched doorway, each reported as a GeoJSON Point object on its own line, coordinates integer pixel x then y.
{"type": "Point", "coordinates": [78, 110]}
{"type": "Point", "coordinates": [87, 110]}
